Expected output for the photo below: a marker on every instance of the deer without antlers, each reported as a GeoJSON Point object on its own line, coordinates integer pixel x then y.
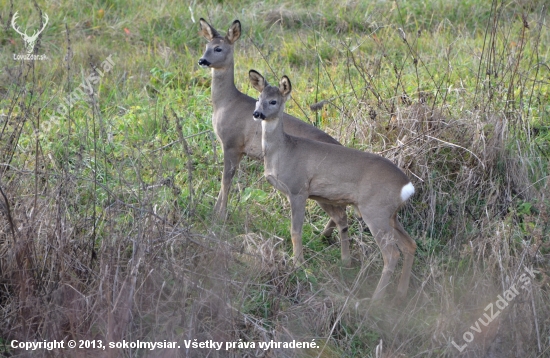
{"type": "Point", "coordinates": [338, 176]}
{"type": "Point", "coordinates": [231, 113]}
{"type": "Point", "coordinates": [29, 40]}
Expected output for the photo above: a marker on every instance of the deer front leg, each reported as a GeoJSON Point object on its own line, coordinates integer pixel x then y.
{"type": "Point", "coordinates": [231, 160]}
{"type": "Point", "coordinates": [298, 212]}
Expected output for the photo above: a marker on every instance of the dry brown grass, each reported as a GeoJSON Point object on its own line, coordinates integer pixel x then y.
{"type": "Point", "coordinates": [123, 267]}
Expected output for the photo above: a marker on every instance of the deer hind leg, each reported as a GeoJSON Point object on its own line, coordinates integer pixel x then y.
{"type": "Point", "coordinates": [231, 160]}
{"type": "Point", "coordinates": [383, 235]}
{"type": "Point", "coordinates": [339, 217]}
{"type": "Point", "coordinates": [408, 247]}
{"type": "Point", "coordinates": [298, 212]}
{"type": "Point", "coordinates": [329, 228]}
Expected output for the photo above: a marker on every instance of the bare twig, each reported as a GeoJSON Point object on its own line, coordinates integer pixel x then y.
{"type": "Point", "coordinates": [189, 158]}
{"type": "Point", "coordinates": [5, 207]}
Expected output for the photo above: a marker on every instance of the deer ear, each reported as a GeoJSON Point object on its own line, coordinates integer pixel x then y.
{"type": "Point", "coordinates": [207, 31]}
{"type": "Point", "coordinates": [285, 87]}
{"type": "Point", "coordinates": [256, 80]}
{"type": "Point", "coordinates": [234, 32]}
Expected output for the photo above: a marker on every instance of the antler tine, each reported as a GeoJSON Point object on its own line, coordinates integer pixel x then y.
{"type": "Point", "coordinates": [45, 23]}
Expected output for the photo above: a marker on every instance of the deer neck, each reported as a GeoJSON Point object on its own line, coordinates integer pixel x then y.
{"type": "Point", "coordinates": [273, 142]}
{"type": "Point", "coordinates": [223, 86]}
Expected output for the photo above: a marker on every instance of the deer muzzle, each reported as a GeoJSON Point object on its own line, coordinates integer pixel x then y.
{"type": "Point", "coordinates": [258, 115]}
{"type": "Point", "coordinates": [204, 63]}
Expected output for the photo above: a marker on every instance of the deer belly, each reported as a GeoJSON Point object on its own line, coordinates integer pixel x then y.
{"type": "Point", "coordinates": [333, 193]}
{"type": "Point", "coordinates": [277, 184]}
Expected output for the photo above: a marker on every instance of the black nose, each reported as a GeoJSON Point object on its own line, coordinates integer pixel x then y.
{"type": "Point", "coordinates": [203, 62]}
{"type": "Point", "coordinates": [257, 114]}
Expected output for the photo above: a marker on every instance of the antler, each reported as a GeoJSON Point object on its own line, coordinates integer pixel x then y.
{"type": "Point", "coordinates": [45, 16]}
{"type": "Point", "coordinates": [15, 16]}
{"type": "Point", "coordinates": [34, 34]}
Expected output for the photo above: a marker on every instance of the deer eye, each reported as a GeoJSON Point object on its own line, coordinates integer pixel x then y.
{"type": "Point", "coordinates": [218, 49]}
{"type": "Point", "coordinates": [273, 103]}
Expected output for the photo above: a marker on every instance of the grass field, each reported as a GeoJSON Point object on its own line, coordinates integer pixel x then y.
{"type": "Point", "coordinates": [106, 227]}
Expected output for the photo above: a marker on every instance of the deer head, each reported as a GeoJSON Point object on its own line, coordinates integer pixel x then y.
{"type": "Point", "coordinates": [271, 103]}
{"type": "Point", "coordinates": [29, 40]}
{"type": "Point", "coordinates": [219, 50]}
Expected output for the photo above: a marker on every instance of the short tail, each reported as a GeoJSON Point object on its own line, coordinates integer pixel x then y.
{"type": "Point", "coordinates": [407, 191]}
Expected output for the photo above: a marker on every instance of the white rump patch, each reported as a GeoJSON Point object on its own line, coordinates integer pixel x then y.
{"type": "Point", "coordinates": [407, 191]}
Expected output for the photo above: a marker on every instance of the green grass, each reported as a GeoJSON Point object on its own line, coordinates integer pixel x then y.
{"type": "Point", "coordinates": [108, 185]}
